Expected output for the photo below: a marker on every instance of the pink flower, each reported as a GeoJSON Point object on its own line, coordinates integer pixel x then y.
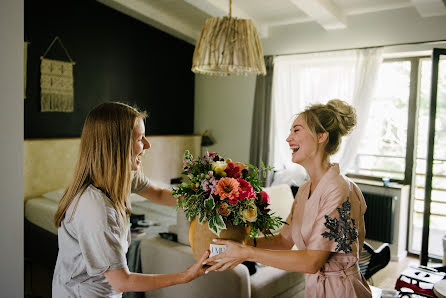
{"type": "Point", "coordinates": [209, 185]}
{"type": "Point", "coordinates": [227, 188]}
{"type": "Point", "coordinates": [209, 157]}
{"type": "Point", "coordinates": [264, 197]}
{"type": "Point", "coordinates": [245, 190]}
{"type": "Point", "coordinates": [233, 170]}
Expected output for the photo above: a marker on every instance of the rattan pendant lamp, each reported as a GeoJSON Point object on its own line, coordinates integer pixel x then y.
{"type": "Point", "coordinates": [228, 46]}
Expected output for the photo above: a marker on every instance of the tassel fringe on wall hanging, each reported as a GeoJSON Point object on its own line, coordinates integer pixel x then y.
{"type": "Point", "coordinates": [56, 83]}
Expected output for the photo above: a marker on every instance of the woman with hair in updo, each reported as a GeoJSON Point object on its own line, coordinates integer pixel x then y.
{"type": "Point", "coordinates": [93, 215]}
{"type": "Point", "coordinates": [326, 222]}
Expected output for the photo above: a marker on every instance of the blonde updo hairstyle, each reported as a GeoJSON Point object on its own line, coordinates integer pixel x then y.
{"type": "Point", "coordinates": [337, 117]}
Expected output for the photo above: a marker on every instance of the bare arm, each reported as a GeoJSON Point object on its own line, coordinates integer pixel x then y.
{"type": "Point", "coordinates": [159, 195]}
{"type": "Point", "coordinates": [273, 242]}
{"type": "Point", "coordinates": [122, 280]}
{"type": "Point", "coordinates": [306, 261]}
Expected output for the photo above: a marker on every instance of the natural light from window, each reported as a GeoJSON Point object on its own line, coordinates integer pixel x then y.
{"type": "Point", "coordinates": [437, 226]}
{"type": "Point", "coordinates": [382, 151]}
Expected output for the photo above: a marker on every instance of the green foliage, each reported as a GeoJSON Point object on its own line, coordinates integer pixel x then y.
{"type": "Point", "coordinates": [199, 197]}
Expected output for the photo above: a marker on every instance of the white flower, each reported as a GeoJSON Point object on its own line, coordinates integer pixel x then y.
{"type": "Point", "coordinates": [250, 214]}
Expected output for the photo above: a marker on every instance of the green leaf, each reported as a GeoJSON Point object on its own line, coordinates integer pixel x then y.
{"type": "Point", "coordinates": [189, 214]}
{"type": "Point", "coordinates": [220, 222]}
{"type": "Point", "coordinates": [201, 217]}
{"type": "Point", "coordinates": [212, 226]}
{"type": "Point", "coordinates": [216, 224]}
{"type": "Point", "coordinates": [209, 203]}
{"type": "Point", "coordinates": [263, 168]}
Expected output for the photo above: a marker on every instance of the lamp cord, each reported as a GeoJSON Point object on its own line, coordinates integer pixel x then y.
{"type": "Point", "coordinates": [230, 8]}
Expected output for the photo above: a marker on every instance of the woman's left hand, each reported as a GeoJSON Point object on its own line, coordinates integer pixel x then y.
{"type": "Point", "coordinates": [234, 254]}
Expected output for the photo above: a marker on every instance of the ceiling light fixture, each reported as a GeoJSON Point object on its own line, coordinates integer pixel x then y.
{"type": "Point", "coordinates": [228, 46]}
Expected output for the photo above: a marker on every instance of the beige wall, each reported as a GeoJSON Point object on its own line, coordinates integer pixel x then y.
{"type": "Point", "coordinates": [11, 143]}
{"type": "Point", "coordinates": [224, 106]}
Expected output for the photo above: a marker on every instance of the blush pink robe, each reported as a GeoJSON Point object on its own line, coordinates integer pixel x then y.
{"type": "Point", "coordinates": [340, 276]}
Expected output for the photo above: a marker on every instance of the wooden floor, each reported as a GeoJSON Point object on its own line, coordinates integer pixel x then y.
{"type": "Point", "coordinates": [386, 277]}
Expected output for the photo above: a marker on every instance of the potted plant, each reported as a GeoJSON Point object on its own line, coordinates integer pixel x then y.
{"type": "Point", "coordinates": [224, 199]}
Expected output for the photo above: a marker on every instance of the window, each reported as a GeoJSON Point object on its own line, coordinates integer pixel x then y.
{"type": "Point", "coordinates": [382, 151]}
{"type": "Point", "coordinates": [397, 128]}
{"type": "Point", "coordinates": [394, 139]}
{"type": "Point", "coordinates": [437, 227]}
{"type": "Point", "coordinates": [302, 80]}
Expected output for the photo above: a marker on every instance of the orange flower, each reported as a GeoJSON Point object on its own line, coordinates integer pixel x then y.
{"type": "Point", "coordinates": [223, 209]}
{"type": "Point", "coordinates": [227, 188]}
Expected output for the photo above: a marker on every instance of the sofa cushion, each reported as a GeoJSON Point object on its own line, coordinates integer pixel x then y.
{"type": "Point", "coordinates": [281, 200]}
{"type": "Point", "coordinates": [273, 282]}
{"type": "Point", "coordinates": [54, 195]}
{"type": "Point", "coordinates": [163, 256]}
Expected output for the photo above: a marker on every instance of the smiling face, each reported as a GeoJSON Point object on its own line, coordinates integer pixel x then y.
{"type": "Point", "coordinates": [140, 143]}
{"type": "Point", "coordinates": [301, 141]}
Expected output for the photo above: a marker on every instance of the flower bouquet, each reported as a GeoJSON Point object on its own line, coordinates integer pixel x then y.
{"type": "Point", "coordinates": [225, 194]}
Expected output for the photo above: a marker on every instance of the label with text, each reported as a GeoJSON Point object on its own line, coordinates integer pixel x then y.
{"type": "Point", "coordinates": [216, 249]}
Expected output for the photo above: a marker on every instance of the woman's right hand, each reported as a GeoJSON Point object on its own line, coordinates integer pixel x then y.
{"type": "Point", "coordinates": [198, 269]}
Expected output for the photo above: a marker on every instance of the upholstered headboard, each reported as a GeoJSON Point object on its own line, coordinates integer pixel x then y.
{"type": "Point", "coordinates": [49, 163]}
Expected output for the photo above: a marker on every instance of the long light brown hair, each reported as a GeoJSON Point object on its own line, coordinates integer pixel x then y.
{"type": "Point", "coordinates": [104, 158]}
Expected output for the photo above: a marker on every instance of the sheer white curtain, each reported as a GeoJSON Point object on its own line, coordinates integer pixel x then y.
{"type": "Point", "coordinates": [301, 80]}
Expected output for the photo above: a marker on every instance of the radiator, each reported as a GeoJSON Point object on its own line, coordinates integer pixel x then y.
{"type": "Point", "coordinates": [379, 217]}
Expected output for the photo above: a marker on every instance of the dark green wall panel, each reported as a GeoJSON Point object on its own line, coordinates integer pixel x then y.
{"type": "Point", "coordinates": [117, 58]}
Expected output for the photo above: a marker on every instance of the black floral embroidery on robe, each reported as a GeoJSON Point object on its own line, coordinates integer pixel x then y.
{"type": "Point", "coordinates": [343, 231]}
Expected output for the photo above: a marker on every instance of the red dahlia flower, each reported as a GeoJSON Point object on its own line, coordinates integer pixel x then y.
{"type": "Point", "coordinates": [245, 190]}
{"type": "Point", "coordinates": [233, 170]}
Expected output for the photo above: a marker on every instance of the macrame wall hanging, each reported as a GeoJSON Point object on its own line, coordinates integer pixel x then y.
{"type": "Point", "coordinates": [56, 82]}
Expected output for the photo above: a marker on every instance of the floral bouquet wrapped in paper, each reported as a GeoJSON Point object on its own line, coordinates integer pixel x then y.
{"type": "Point", "coordinates": [225, 199]}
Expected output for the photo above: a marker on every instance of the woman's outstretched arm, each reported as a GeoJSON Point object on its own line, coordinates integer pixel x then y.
{"type": "Point", "coordinates": [306, 261]}
{"type": "Point", "coordinates": [122, 280]}
{"type": "Point", "coordinates": [159, 195]}
{"type": "Point", "coordinates": [278, 242]}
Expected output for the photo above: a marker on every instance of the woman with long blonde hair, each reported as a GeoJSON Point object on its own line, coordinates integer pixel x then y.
{"type": "Point", "coordinates": [93, 214]}
{"type": "Point", "coordinates": [326, 222]}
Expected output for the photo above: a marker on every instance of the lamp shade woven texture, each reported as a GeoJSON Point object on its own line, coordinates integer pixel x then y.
{"type": "Point", "coordinates": [228, 46]}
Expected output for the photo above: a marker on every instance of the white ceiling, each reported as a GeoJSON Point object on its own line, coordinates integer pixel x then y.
{"type": "Point", "coordinates": [184, 18]}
